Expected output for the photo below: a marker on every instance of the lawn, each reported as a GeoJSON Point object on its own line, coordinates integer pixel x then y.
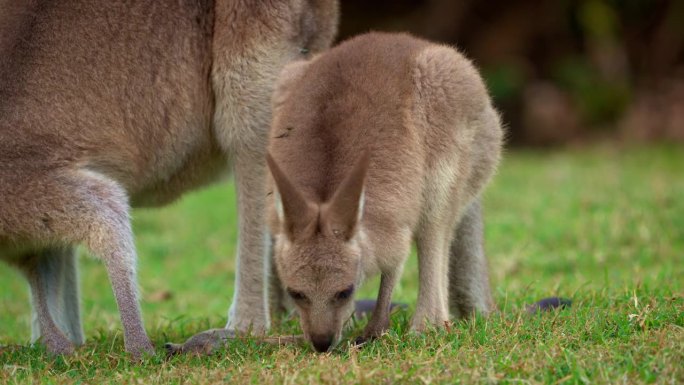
{"type": "Point", "coordinates": [602, 225]}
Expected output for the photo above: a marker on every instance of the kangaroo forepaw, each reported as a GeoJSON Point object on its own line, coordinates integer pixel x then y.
{"type": "Point", "coordinates": [361, 340]}
{"type": "Point", "coordinates": [364, 339]}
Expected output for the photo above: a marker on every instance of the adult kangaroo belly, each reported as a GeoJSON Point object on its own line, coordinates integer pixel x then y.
{"type": "Point", "coordinates": [122, 89]}
{"type": "Point", "coordinates": [200, 167]}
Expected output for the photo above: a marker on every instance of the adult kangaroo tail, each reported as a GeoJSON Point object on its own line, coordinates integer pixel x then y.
{"type": "Point", "coordinates": [469, 289]}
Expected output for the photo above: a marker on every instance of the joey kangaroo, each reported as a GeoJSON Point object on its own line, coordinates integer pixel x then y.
{"type": "Point", "coordinates": [383, 140]}
{"type": "Point", "coordinates": [106, 105]}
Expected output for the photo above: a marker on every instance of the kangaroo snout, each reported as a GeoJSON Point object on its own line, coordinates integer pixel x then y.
{"type": "Point", "coordinates": [322, 342]}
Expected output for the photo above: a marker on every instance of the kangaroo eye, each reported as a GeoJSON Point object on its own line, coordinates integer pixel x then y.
{"type": "Point", "coordinates": [345, 294]}
{"type": "Point", "coordinates": [297, 296]}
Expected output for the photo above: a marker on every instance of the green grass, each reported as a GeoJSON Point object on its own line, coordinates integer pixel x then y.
{"type": "Point", "coordinates": [604, 226]}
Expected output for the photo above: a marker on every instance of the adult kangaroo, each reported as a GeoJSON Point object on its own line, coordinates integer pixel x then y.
{"type": "Point", "coordinates": [107, 105]}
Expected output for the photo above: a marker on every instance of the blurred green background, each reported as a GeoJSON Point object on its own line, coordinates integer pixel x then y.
{"type": "Point", "coordinates": [562, 71]}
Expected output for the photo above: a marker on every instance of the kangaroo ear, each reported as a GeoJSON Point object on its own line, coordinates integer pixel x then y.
{"type": "Point", "coordinates": [293, 209]}
{"type": "Point", "coordinates": [342, 213]}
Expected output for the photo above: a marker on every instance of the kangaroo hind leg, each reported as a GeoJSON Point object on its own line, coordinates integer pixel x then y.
{"type": "Point", "coordinates": [57, 270]}
{"type": "Point", "coordinates": [41, 299]}
{"type": "Point", "coordinates": [69, 207]}
{"type": "Point", "coordinates": [469, 290]}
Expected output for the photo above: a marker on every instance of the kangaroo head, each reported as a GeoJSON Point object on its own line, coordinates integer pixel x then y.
{"type": "Point", "coordinates": [317, 252]}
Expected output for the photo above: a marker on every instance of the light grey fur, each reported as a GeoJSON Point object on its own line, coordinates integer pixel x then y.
{"type": "Point", "coordinates": [58, 271]}
{"type": "Point", "coordinates": [419, 155]}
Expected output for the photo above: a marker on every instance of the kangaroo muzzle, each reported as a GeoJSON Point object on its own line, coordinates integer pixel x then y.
{"type": "Point", "coordinates": [322, 342]}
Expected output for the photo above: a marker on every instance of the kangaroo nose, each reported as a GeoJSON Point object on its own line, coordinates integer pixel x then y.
{"type": "Point", "coordinates": [321, 342]}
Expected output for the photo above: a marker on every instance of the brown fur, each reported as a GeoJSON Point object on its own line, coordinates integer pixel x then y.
{"type": "Point", "coordinates": [106, 105]}
{"type": "Point", "coordinates": [403, 130]}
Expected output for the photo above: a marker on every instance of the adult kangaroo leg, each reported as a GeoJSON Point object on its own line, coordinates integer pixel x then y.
{"type": "Point", "coordinates": [109, 237]}
{"type": "Point", "coordinates": [52, 336]}
{"type": "Point", "coordinates": [58, 271]}
{"type": "Point", "coordinates": [71, 207]}
{"type": "Point", "coordinates": [249, 310]}
{"type": "Point", "coordinates": [469, 289]}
